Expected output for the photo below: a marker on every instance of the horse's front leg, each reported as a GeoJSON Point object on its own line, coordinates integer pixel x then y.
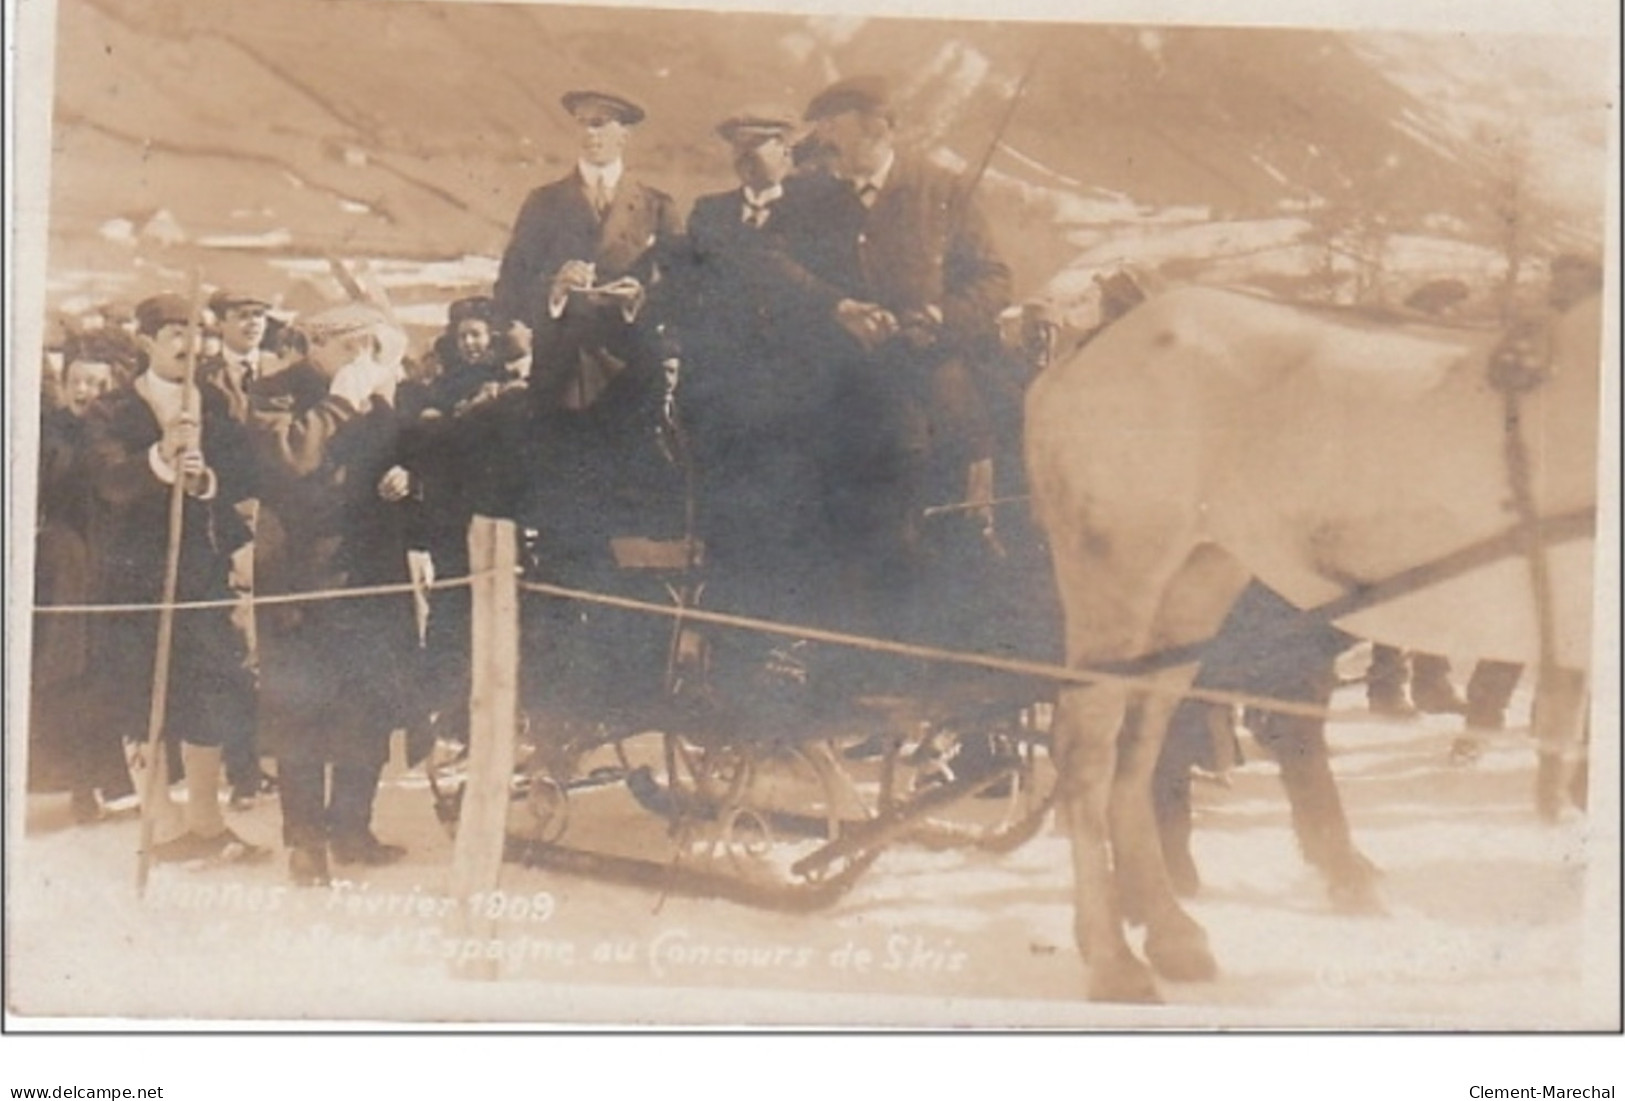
{"type": "Point", "coordinates": [1085, 739]}
{"type": "Point", "coordinates": [1174, 943]}
{"type": "Point", "coordinates": [1559, 723]}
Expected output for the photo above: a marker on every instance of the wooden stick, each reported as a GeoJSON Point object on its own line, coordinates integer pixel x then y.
{"type": "Point", "coordinates": [493, 715]}
{"type": "Point", "coordinates": [157, 761]}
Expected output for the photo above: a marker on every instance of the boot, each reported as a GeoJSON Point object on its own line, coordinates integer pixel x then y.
{"type": "Point", "coordinates": [224, 847]}
{"type": "Point", "coordinates": [1431, 689]}
{"type": "Point", "coordinates": [349, 818]}
{"type": "Point", "coordinates": [1489, 690]}
{"type": "Point", "coordinates": [206, 840]}
{"type": "Point", "coordinates": [307, 866]}
{"type": "Point", "coordinates": [1385, 683]}
{"type": "Point", "coordinates": [365, 849]}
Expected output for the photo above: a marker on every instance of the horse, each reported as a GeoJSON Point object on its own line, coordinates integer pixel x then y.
{"type": "Point", "coordinates": [1211, 436]}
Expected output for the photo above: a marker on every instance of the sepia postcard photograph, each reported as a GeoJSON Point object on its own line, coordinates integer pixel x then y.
{"type": "Point", "coordinates": [536, 515]}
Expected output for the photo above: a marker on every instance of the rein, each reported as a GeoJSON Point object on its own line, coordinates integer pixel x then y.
{"type": "Point", "coordinates": [1519, 365]}
{"type": "Point", "coordinates": [1525, 537]}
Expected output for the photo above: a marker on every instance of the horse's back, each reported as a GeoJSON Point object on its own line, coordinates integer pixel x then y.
{"type": "Point", "coordinates": [1323, 452]}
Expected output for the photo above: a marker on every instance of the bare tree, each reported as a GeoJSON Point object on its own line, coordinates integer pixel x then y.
{"type": "Point", "coordinates": [1514, 203]}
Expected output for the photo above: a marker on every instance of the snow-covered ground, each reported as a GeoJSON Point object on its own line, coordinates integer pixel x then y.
{"type": "Point", "coordinates": [1495, 921]}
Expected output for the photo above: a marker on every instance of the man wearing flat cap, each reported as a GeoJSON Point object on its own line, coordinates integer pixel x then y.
{"type": "Point", "coordinates": [241, 318]}
{"type": "Point", "coordinates": [912, 280]}
{"type": "Point", "coordinates": [598, 227]}
{"type": "Point", "coordinates": [757, 392]}
{"type": "Point", "coordinates": [334, 674]}
{"type": "Point", "coordinates": [140, 442]}
{"type": "Point", "coordinates": [580, 271]}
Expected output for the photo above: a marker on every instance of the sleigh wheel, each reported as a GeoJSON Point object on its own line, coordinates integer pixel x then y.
{"type": "Point", "coordinates": [543, 815]}
{"type": "Point", "coordinates": [745, 839]}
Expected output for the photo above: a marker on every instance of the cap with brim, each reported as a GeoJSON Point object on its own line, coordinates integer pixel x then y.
{"type": "Point", "coordinates": [152, 314]}
{"type": "Point", "coordinates": [624, 110]}
{"type": "Point", "coordinates": [859, 93]}
{"type": "Point", "coordinates": [758, 124]}
{"type": "Point", "coordinates": [337, 321]}
{"type": "Point", "coordinates": [227, 298]}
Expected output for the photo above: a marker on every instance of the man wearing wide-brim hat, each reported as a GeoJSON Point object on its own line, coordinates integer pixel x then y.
{"type": "Point", "coordinates": [912, 278]}
{"type": "Point", "coordinates": [581, 271]}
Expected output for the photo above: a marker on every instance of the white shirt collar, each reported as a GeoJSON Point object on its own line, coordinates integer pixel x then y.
{"type": "Point", "coordinates": [762, 198]}
{"type": "Point", "coordinates": [609, 174]}
{"type": "Point", "coordinates": [879, 176]}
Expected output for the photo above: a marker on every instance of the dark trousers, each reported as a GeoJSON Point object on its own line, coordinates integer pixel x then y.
{"type": "Point", "coordinates": [241, 757]}
{"type": "Point", "coordinates": [317, 809]}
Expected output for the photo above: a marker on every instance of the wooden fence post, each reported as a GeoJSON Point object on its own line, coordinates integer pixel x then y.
{"type": "Point", "coordinates": [493, 715]}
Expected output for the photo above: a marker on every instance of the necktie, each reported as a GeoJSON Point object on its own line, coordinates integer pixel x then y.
{"type": "Point", "coordinates": [755, 214]}
{"type": "Point", "coordinates": [600, 196]}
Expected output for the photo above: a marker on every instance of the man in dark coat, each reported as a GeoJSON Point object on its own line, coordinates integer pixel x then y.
{"type": "Point", "coordinates": [579, 270]}
{"type": "Point", "coordinates": [139, 442]}
{"type": "Point", "coordinates": [334, 674]}
{"type": "Point", "coordinates": [602, 460]}
{"type": "Point", "coordinates": [757, 395]}
{"type": "Point", "coordinates": [913, 279]}
{"type": "Point", "coordinates": [242, 319]}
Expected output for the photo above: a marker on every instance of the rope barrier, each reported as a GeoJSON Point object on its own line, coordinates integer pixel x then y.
{"type": "Point", "coordinates": [233, 603]}
{"type": "Point", "coordinates": [1018, 666]}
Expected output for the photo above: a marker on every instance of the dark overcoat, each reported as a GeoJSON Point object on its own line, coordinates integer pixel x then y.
{"type": "Point", "coordinates": [335, 675]}
{"type": "Point", "coordinates": [557, 224]}
{"type": "Point", "coordinates": [911, 416]}
{"type": "Point", "coordinates": [210, 688]}
{"type": "Point", "coordinates": [758, 395]}
{"type": "Point", "coordinates": [752, 320]}
{"type": "Point", "coordinates": [64, 752]}
{"type": "Point", "coordinates": [595, 463]}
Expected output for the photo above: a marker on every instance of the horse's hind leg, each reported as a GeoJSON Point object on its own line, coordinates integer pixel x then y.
{"type": "Point", "coordinates": [1108, 613]}
{"type": "Point", "coordinates": [1085, 728]}
{"type": "Point", "coordinates": [1185, 744]}
{"type": "Point", "coordinates": [1298, 744]}
{"type": "Point", "coordinates": [1174, 943]}
{"type": "Point", "coordinates": [1192, 607]}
